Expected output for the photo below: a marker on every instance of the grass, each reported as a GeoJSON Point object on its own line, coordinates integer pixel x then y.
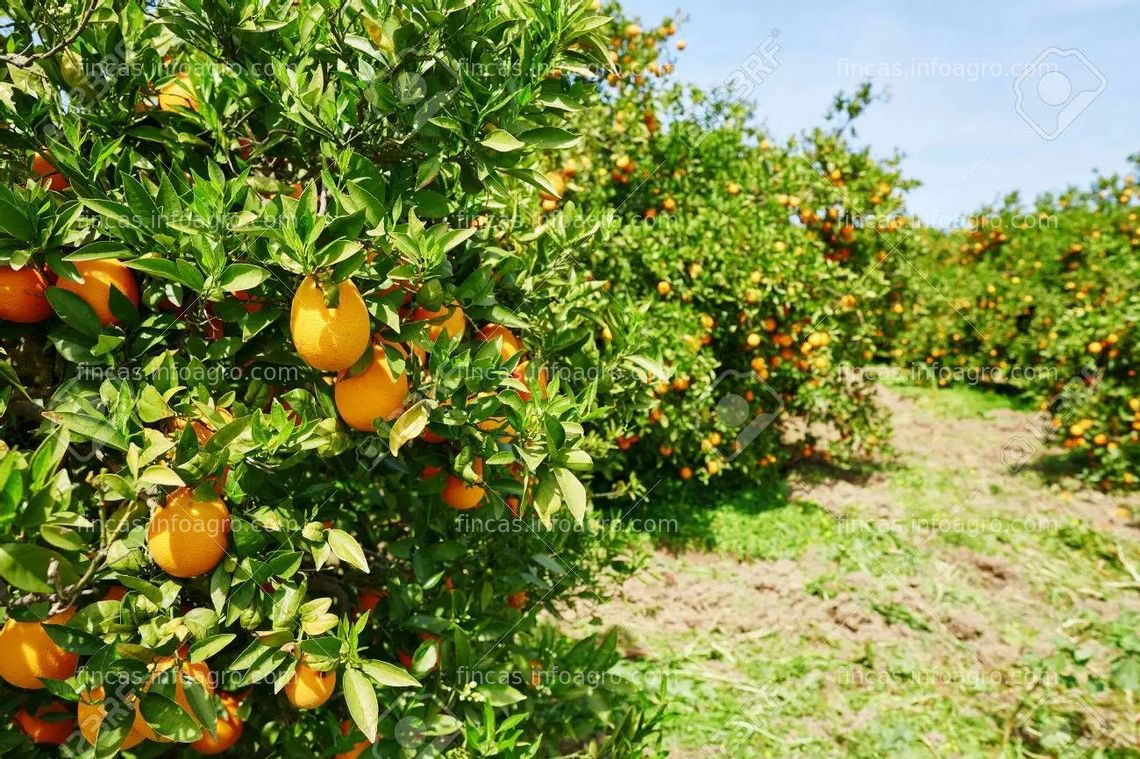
{"type": "Point", "coordinates": [909, 637]}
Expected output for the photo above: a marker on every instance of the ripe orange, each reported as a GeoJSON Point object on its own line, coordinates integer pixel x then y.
{"type": "Point", "coordinates": [91, 712]}
{"type": "Point", "coordinates": [40, 730]}
{"type": "Point", "coordinates": [310, 688]}
{"type": "Point", "coordinates": [664, 288]}
{"type": "Point", "coordinates": [329, 339]}
{"type": "Point", "coordinates": [686, 473]}
{"type": "Point", "coordinates": [357, 749]}
{"type": "Point", "coordinates": [43, 167]}
{"type": "Point", "coordinates": [228, 728]}
{"type": "Point", "coordinates": [98, 279]}
{"type": "Point", "coordinates": [177, 93]}
{"type": "Point", "coordinates": [27, 653]}
{"type": "Point", "coordinates": [555, 179]}
{"type": "Point", "coordinates": [199, 671]}
{"type": "Point", "coordinates": [22, 295]}
{"type": "Point", "coordinates": [187, 537]}
{"type": "Point", "coordinates": [524, 374]}
{"type": "Point", "coordinates": [510, 345]}
{"type": "Point", "coordinates": [459, 495]}
{"type": "Point", "coordinates": [376, 393]}
{"type": "Point", "coordinates": [369, 599]}
{"type": "Point", "coordinates": [451, 320]}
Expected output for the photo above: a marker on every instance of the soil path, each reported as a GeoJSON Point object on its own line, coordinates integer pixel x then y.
{"type": "Point", "coordinates": [949, 565]}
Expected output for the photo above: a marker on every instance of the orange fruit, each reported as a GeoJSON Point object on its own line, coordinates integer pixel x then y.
{"type": "Point", "coordinates": [188, 537]}
{"type": "Point", "coordinates": [177, 93]}
{"type": "Point", "coordinates": [686, 473]}
{"type": "Point", "coordinates": [199, 671]}
{"type": "Point", "coordinates": [114, 593]}
{"type": "Point", "coordinates": [430, 437]}
{"type": "Point", "coordinates": [40, 730]}
{"type": "Point", "coordinates": [357, 749]}
{"type": "Point", "coordinates": [27, 653]}
{"type": "Point", "coordinates": [310, 688]}
{"type": "Point", "coordinates": [376, 393]}
{"type": "Point", "coordinates": [98, 279]}
{"type": "Point", "coordinates": [329, 339]}
{"type": "Point", "coordinates": [43, 167]}
{"type": "Point", "coordinates": [459, 495]}
{"type": "Point", "coordinates": [524, 374]}
{"type": "Point", "coordinates": [90, 716]}
{"type": "Point", "coordinates": [510, 345]}
{"type": "Point", "coordinates": [450, 319]}
{"type": "Point", "coordinates": [555, 179]}
{"type": "Point", "coordinates": [228, 728]}
{"type": "Point", "coordinates": [369, 599]}
{"type": "Point", "coordinates": [22, 295]}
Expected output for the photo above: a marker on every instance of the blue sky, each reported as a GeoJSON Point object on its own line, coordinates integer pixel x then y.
{"type": "Point", "coordinates": [950, 70]}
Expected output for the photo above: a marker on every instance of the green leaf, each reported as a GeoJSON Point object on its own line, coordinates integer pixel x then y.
{"type": "Point", "coordinates": [73, 640]}
{"type": "Point", "coordinates": [98, 430]}
{"type": "Point", "coordinates": [546, 500]}
{"type": "Point", "coordinates": [114, 728]}
{"type": "Point", "coordinates": [15, 222]}
{"type": "Point", "coordinates": [161, 475]}
{"type": "Point", "coordinates": [500, 694]}
{"type": "Point", "coordinates": [239, 277]}
{"type": "Point", "coordinates": [391, 675]}
{"type": "Point", "coordinates": [201, 703]}
{"type": "Point", "coordinates": [550, 138]}
{"type": "Point", "coordinates": [347, 549]}
{"type": "Point", "coordinates": [168, 719]}
{"type": "Point", "coordinates": [110, 209]}
{"type": "Point", "coordinates": [361, 699]}
{"type": "Point", "coordinates": [430, 204]}
{"type": "Point", "coordinates": [207, 647]}
{"type": "Point", "coordinates": [409, 426]}
{"type": "Point", "coordinates": [25, 566]}
{"type": "Point", "coordinates": [74, 311]}
{"type": "Point", "coordinates": [573, 493]}
{"type": "Point", "coordinates": [503, 141]}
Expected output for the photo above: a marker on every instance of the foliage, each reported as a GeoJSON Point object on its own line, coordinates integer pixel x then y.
{"type": "Point", "coordinates": [744, 267]}
{"type": "Point", "coordinates": [1040, 298]}
{"type": "Point", "coordinates": [212, 155]}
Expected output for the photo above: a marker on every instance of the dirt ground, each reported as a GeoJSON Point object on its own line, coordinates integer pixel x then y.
{"type": "Point", "coordinates": [943, 583]}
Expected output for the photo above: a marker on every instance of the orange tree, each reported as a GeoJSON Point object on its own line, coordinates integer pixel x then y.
{"type": "Point", "coordinates": [272, 382]}
{"type": "Point", "coordinates": [747, 268]}
{"type": "Point", "coordinates": [1039, 297]}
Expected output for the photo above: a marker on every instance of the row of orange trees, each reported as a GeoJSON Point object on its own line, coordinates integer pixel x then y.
{"type": "Point", "coordinates": [320, 323]}
{"type": "Point", "coordinates": [1039, 297]}
{"type": "Point", "coordinates": [749, 268]}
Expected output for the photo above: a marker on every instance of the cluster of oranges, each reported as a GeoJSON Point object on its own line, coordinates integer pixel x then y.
{"type": "Point", "coordinates": [28, 656]}
{"type": "Point", "coordinates": [23, 298]}
{"type": "Point", "coordinates": [335, 338]}
{"type": "Point", "coordinates": [1049, 291]}
{"type": "Point", "coordinates": [634, 54]}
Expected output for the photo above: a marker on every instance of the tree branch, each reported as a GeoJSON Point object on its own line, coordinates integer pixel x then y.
{"type": "Point", "coordinates": [23, 61]}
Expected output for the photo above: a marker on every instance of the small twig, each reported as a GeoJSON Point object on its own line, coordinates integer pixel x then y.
{"type": "Point", "coordinates": [20, 60]}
